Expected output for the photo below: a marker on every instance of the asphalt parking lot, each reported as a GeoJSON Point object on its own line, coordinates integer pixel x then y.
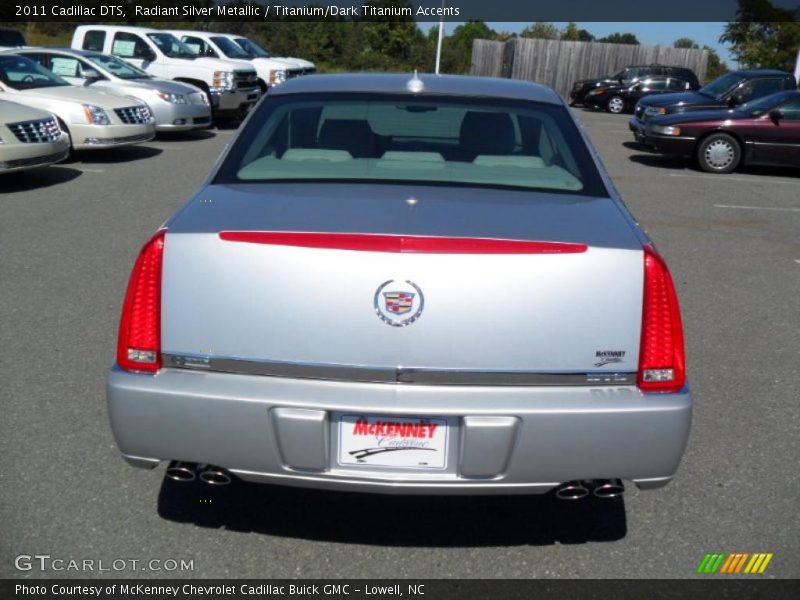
{"type": "Point", "coordinates": [68, 238]}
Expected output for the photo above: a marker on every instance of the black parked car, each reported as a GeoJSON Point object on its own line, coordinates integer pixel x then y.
{"type": "Point", "coordinates": [728, 91]}
{"type": "Point", "coordinates": [11, 38]}
{"type": "Point", "coordinates": [627, 76]}
{"type": "Point", "coordinates": [620, 98]}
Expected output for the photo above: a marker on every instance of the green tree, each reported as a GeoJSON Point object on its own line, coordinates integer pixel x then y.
{"type": "Point", "coordinates": [570, 33]}
{"type": "Point", "coordinates": [716, 66]}
{"type": "Point", "coordinates": [457, 47]}
{"type": "Point", "coordinates": [540, 30]}
{"type": "Point", "coordinates": [763, 36]}
{"type": "Point", "coordinates": [620, 38]}
{"type": "Point", "coordinates": [685, 42]}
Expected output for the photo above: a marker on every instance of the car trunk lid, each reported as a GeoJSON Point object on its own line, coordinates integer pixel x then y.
{"type": "Point", "coordinates": [385, 276]}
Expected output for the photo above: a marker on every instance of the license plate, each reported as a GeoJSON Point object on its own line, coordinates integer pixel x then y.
{"type": "Point", "coordinates": [403, 442]}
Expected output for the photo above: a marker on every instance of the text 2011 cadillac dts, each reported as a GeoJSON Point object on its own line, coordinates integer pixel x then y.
{"type": "Point", "coordinates": [394, 284]}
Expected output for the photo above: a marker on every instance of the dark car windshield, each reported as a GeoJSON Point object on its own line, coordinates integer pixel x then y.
{"type": "Point", "coordinates": [760, 106]}
{"type": "Point", "coordinates": [22, 73]}
{"type": "Point", "coordinates": [252, 49]}
{"type": "Point", "coordinates": [118, 68]}
{"type": "Point", "coordinates": [721, 86]}
{"type": "Point", "coordinates": [171, 46]}
{"type": "Point", "coordinates": [228, 48]}
{"type": "Point", "coordinates": [425, 140]}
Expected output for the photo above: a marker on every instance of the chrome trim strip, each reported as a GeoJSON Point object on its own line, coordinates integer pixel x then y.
{"type": "Point", "coordinates": [404, 375]}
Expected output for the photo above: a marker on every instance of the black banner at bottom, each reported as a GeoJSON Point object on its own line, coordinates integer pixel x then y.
{"type": "Point", "coordinates": [423, 589]}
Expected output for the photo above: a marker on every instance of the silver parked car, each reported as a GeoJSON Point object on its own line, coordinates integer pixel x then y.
{"type": "Point", "coordinates": [405, 284]}
{"type": "Point", "coordinates": [175, 106]}
{"type": "Point", "coordinates": [93, 120]}
{"type": "Point", "coordinates": [29, 138]}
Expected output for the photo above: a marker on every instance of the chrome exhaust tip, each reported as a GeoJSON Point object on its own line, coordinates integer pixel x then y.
{"type": "Point", "coordinates": [181, 471]}
{"type": "Point", "coordinates": [572, 490]}
{"type": "Point", "coordinates": [609, 488]}
{"type": "Point", "coordinates": [215, 476]}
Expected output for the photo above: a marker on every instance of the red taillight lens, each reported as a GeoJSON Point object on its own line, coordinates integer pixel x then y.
{"type": "Point", "coordinates": [662, 362]}
{"type": "Point", "coordinates": [139, 344]}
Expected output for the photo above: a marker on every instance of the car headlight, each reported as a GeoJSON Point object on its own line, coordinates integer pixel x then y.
{"type": "Point", "coordinates": [655, 110]}
{"type": "Point", "coordinates": [277, 76]}
{"type": "Point", "coordinates": [223, 80]}
{"type": "Point", "coordinates": [666, 129]}
{"type": "Point", "coordinates": [172, 98]}
{"type": "Point", "coordinates": [96, 115]}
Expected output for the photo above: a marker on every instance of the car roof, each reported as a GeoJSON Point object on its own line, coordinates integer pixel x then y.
{"type": "Point", "coordinates": [761, 72]}
{"type": "Point", "coordinates": [398, 83]}
{"type": "Point", "coordinates": [123, 28]}
{"type": "Point", "coordinates": [29, 49]}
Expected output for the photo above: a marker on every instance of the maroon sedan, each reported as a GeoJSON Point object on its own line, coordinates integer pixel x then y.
{"type": "Point", "coordinates": [765, 132]}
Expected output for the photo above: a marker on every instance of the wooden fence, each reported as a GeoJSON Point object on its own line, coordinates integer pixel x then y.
{"type": "Point", "coordinates": [559, 64]}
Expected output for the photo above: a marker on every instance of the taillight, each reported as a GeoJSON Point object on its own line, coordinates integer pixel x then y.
{"type": "Point", "coordinates": [662, 362]}
{"type": "Point", "coordinates": [139, 343]}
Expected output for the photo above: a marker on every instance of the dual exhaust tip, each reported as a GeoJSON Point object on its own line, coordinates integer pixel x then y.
{"type": "Point", "coordinates": [573, 490]}
{"type": "Point", "coordinates": [186, 472]}
{"type": "Point", "coordinates": [600, 488]}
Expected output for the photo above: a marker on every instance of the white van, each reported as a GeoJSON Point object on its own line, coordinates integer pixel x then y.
{"type": "Point", "coordinates": [272, 70]}
{"type": "Point", "coordinates": [232, 86]}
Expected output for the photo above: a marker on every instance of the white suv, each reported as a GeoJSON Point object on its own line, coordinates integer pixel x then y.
{"type": "Point", "coordinates": [272, 70]}
{"type": "Point", "coordinates": [231, 86]}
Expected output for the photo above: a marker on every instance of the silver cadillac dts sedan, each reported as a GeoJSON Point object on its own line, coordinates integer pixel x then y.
{"type": "Point", "coordinates": [393, 283]}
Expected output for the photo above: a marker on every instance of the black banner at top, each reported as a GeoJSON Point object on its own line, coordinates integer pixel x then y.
{"type": "Point", "coordinates": [144, 11]}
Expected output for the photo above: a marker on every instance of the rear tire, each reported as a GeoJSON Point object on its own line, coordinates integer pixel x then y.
{"type": "Point", "coordinates": [719, 153]}
{"type": "Point", "coordinates": [615, 105]}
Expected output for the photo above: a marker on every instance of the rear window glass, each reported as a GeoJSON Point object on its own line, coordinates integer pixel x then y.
{"type": "Point", "coordinates": [433, 140]}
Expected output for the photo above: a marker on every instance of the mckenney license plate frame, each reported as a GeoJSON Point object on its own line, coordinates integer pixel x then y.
{"type": "Point", "coordinates": [397, 442]}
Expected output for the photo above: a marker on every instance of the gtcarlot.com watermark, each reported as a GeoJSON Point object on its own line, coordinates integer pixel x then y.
{"type": "Point", "coordinates": [46, 562]}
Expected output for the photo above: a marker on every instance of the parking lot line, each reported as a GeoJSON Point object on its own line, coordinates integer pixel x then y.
{"type": "Point", "coordinates": [735, 179]}
{"type": "Point", "coordinates": [85, 170]}
{"type": "Point", "coordinates": [757, 207]}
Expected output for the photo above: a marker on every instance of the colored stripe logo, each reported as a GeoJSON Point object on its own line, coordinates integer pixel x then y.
{"type": "Point", "coordinates": [734, 563]}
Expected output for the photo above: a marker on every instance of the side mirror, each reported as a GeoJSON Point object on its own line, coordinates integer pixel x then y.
{"type": "Point", "coordinates": [735, 100]}
{"type": "Point", "coordinates": [776, 114]}
{"type": "Point", "coordinates": [147, 54]}
{"type": "Point", "coordinates": [91, 74]}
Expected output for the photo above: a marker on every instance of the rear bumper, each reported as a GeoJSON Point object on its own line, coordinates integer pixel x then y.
{"type": "Point", "coordinates": [502, 439]}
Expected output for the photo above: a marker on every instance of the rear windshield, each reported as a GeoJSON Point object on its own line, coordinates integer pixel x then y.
{"type": "Point", "coordinates": [433, 140]}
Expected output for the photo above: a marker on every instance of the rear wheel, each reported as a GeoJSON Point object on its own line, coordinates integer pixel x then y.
{"type": "Point", "coordinates": [616, 104]}
{"type": "Point", "coordinates": [719, 153]}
